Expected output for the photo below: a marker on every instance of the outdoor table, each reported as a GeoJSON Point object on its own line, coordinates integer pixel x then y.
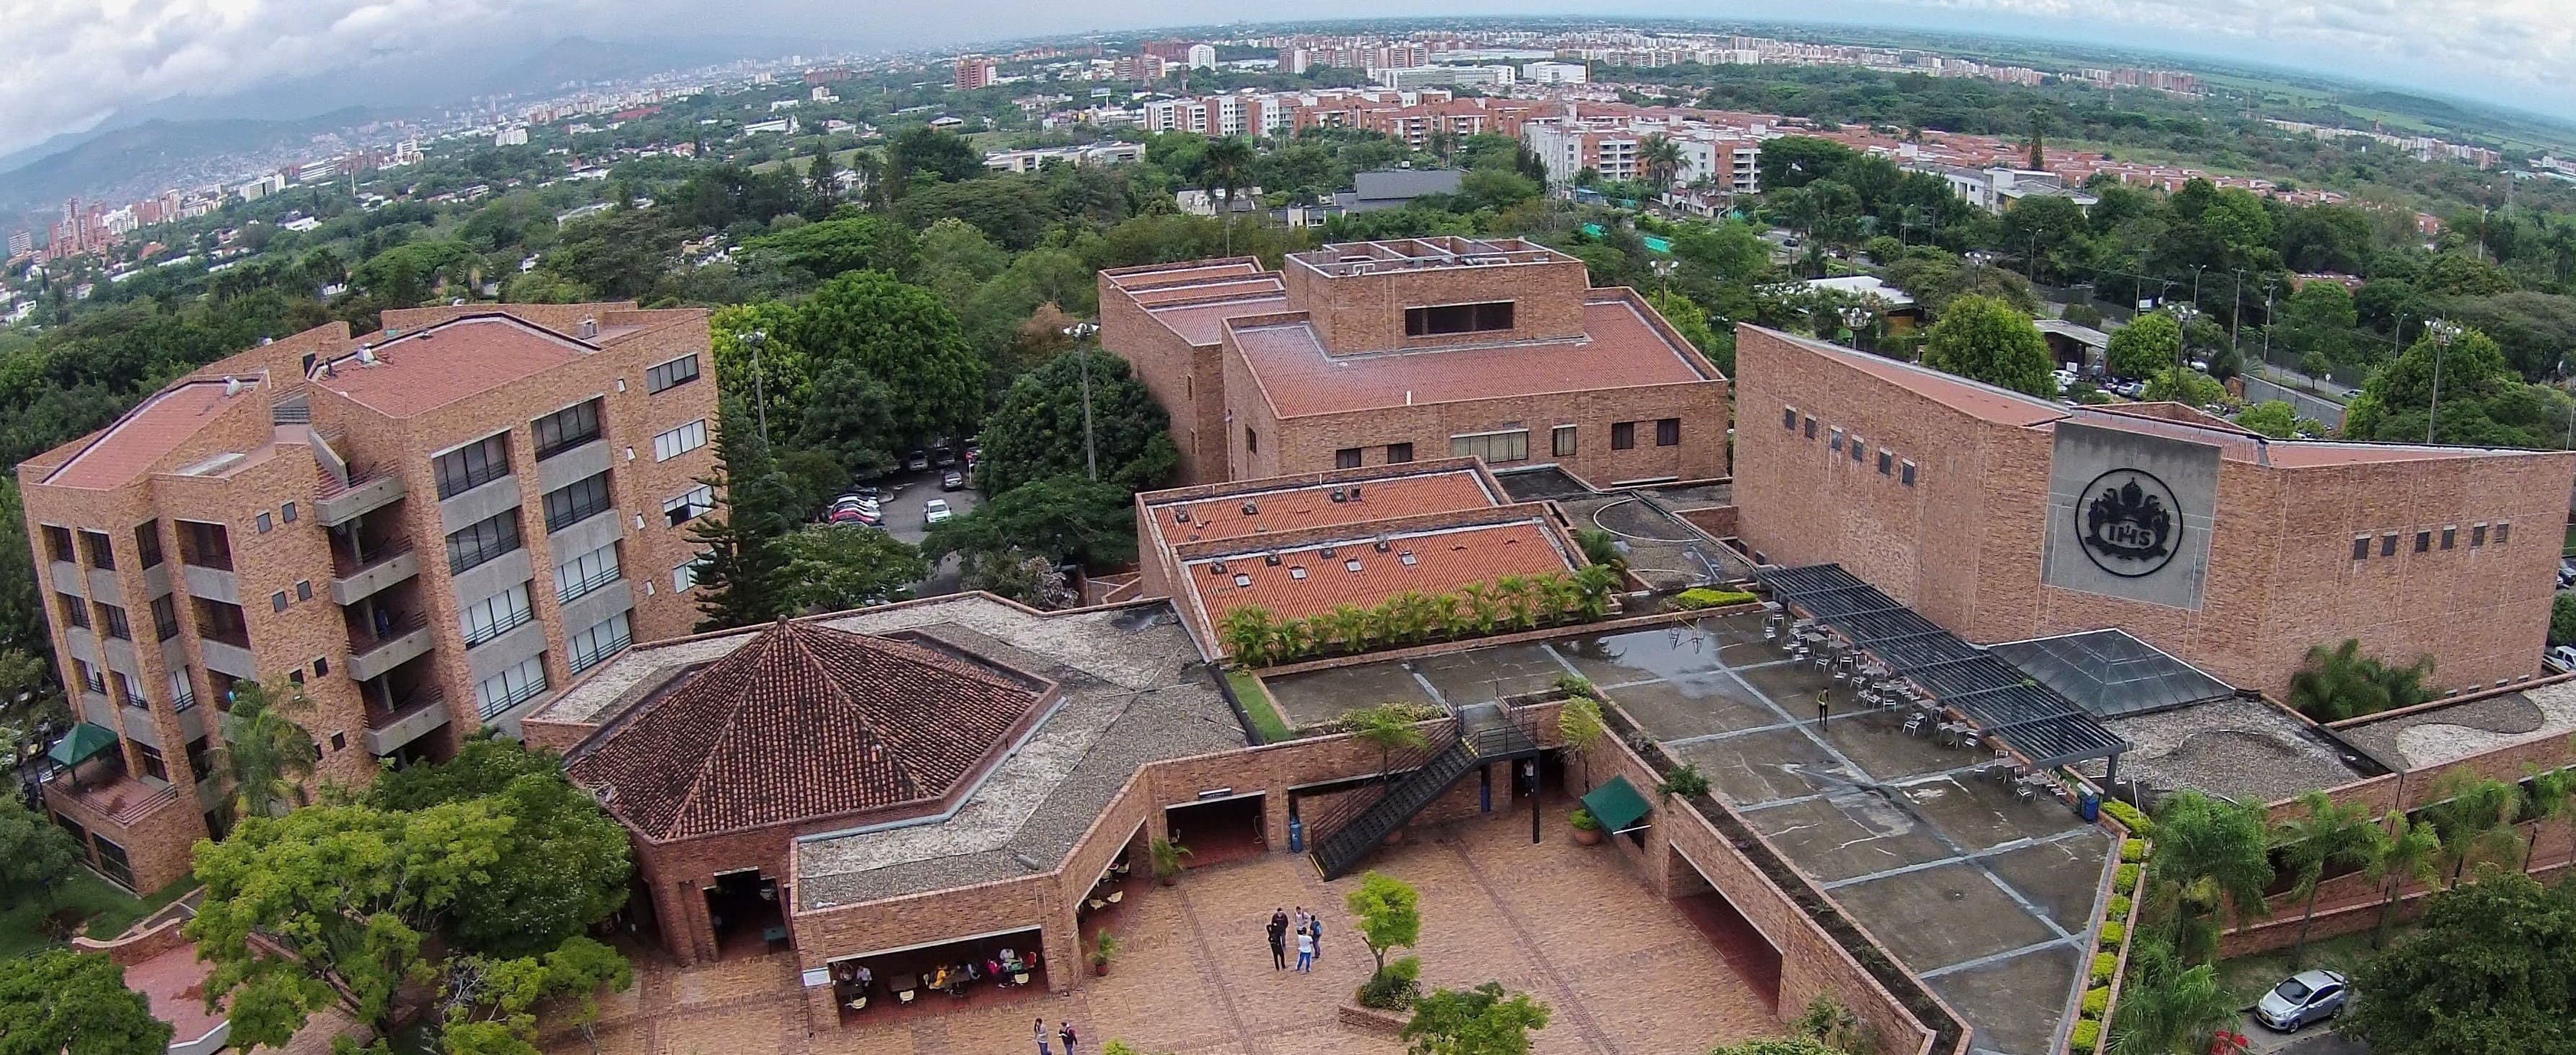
{"type": "Point", "coordinates": [774, 937]}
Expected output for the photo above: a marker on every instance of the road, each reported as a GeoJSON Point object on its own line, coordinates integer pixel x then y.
{"type": "Point", "coordinates": [2314, 1040]}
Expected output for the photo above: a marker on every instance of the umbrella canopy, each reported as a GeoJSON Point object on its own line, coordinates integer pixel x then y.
{"type": "Point", "coordinates": [83, 743]}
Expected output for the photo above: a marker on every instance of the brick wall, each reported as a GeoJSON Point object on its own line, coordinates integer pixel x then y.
{"type": "Point", "coordinates": [1366, 312]}
{"type": "Point", "coordinates": [1183, 378]}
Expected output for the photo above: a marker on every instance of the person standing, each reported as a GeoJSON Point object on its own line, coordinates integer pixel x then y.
{"type": "Point", "coordinates": [1315, 931]}
{"type": "Point", "coordinates": [1279, 939]}
{"type": "Point", "coordinates": [1067, 1036]}
{"type": "Point", "coordinates": [1305, 951]}
{"type": "Point", "coordinates": [1043, 1047]}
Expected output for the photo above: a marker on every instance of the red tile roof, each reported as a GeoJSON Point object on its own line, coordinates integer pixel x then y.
{"type": "Point", "coordinates": [1151, 276]}
{"type": "Point", "coordinates": [1445, 560]}
{"type": "Point", "coordinates": [431, 368]}
{"type": "Point", "coordinates": [147, 434]}
{"type": "Point", "coordinates": [1620, 349]}
{"type": "Point", "coordinates": [799, 723]}
{"type": "Point", "coordinates": [1284, 509]}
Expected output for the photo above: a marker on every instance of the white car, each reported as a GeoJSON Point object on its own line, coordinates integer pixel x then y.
{"type": "Point", "coordinates": [934, 511]}
{"type": "Point", "coordinates": [2305, 998]}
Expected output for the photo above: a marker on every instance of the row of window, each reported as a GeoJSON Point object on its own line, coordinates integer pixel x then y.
{"type": "Point", "coordinates": [2480, 534]}
{"type": "Point", "coordinates": [488, 459]}
{"type": "Point", "coordinates": [599, 642]}
{"type": "Point", "coordinates": [496, 615]}
{"type": "Point", "coordinates": [511, 687]}
{"type": "Point", "coordinates": [1511, 445]}
{"type": "Point", "coordinates": [1889, 465]}
{"type": "Point", "coordinates": [587, 572]}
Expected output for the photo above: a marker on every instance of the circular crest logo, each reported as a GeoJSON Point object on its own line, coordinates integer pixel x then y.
{"type": "Point", "coordinates": [2129, 523]}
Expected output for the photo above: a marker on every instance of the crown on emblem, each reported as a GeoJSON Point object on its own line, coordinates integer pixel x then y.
{"type": "Point", "coordinates": [2128, 523]}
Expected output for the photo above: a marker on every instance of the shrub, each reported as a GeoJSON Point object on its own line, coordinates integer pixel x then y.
{"type": "Point", "coordinates": [1708, 597]}
{"type": "Point", "coordinates": [1687, 782]}
{"type": "Point", "coordinates": [2130, 818]}
{"type": "Point", "coordinates": [2104, 966]}
{"type": "Point", "coordinates": [2097, 1001]}
{"type": "Point", "coordinates": [2087, 1034]}
{"type": "Point", "coordinates": [1394, 988]}
{"type": "Point", "coordinates": [2113, 934]}
{"type": "Point", "coordinates": [2127, 878]}
{"type": "Point", "coordinates": [1577, 685]}
{"type": "Point", "coordinates": [1581, 820]}
{"type": "Point", "coordinates": [2133, 851]}
{"type": "Point", "coordinates": [2119, 908]}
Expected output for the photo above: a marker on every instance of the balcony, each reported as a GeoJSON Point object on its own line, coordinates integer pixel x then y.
{"type": "Point", "coordinates": [353, 581]}
{"type": "Point", "coordinates": [363, 494]}
{"type": "Point", "coordinates": [479, 503]}
{"type": "Point", "coordinates": [578, 461]}
{"type": "Point", "coordinates": [372, 654]}
{"type": "Point", "coordinates": [109, 794]}
{"type": "Point", "coordinates": [389, 728]}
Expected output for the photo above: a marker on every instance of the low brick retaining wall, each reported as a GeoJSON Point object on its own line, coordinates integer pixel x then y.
{"type": "Point", "coordinates": [1371, 1021]}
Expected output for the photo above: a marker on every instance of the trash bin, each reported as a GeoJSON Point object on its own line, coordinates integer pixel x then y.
{"type": "Point", "coordinates": [2088, 806]}
{"type": "Point", "coordinates": [1296, 835]}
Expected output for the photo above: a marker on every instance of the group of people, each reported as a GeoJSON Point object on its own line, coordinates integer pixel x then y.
{"type": "Point", "coordinates": [1065, 1034]}
{"type": "Point", "coordinates": [1309, 937]}
{"type": "Point", "coordinates": [1005, 967]}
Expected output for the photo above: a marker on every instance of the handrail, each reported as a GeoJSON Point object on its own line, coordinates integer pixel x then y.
{"type": "Point", "coordinates": [1398, 764]}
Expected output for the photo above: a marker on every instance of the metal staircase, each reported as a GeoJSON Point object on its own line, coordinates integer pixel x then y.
{"type": "Point", "coordinates": [1483, 734]}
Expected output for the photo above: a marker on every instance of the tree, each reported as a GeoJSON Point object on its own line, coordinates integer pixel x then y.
{"type": "Point", "coordinates": [565, 863]}
{"type": "Point", "coordinates": [925, 151]}
{"type": "Point", "coordinates": [851, 419]}
{"type": "Point", "coordinates": [60, 1001]}
{"type": "Point", "coordinates": [1660, 158]}
{"type": "Point", "coordinates": [488, 1006]}
{"type": "Point", "coordinates": [1248, 632]}
{"type": "Point", "coordinates": [2178, 384]}
{"type": "Point", "coordinates": [266, 752]}
{"type": "Point", "coordinates": [823, 175]}
{"type": "Point", "coordinates": [1038, 430]}
{"type": "Point", "coordinates": [2339, 682]}
{"type": "Point", "coordinates": [2328, 835]}
{"type": "Point", "coordinates": [739, 578]}
{"type": "Point", "coordinates": [2408, 856]}
{"type": "Point", "coordinates": [351, 892]}
{"type": "Point", "coordinates": [2211, 857]}
{"type": "Point", "coordinates": [35, 854]}
{"type": "Point", "coordinates": [1578, 720]}
{"type": "Point", "coordinates": [2474, 820]}
{"type": "Point", "coordinates": [841, 566]}
{"type": "Point", "coordinates": [2492, 970]}
{"type": "Point", "coordinates": [1065, 519]}
{"type": "Point", "coordinates": [1991, 341]}
{"type": "Point", "coordinates": [2168, 1009]}
{"type": "Point", "coordinates": [1389, 727]}
{"type": "Point", "coordinates": [1692, 320]}
{"type": "Point", "coordinates": [1028, 578]}
{"type": "Point", "coordinates": [1389, 912]}
{"type": "Point", "coordinates": [2548, 795]}
{"type": "Point", "coordinates": [2146, 347]}
{"type": "Point", "coordinates": [2271, 417]}
{"type": "Point", "coordinates": [902, 336]}
{"type": "Point", "coordinates": [826, 248]}
{"type": "Point", "coordinates": [1479, 1021]}
{"type": "Point", "coordinates": [2562, 619]}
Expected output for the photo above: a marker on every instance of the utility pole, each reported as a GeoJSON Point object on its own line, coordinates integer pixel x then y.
{"type": "Point", "coordinates": [1080, 332]}
{"type": "Point", "coordinates": [2443, 331]}
{"type": "Point", "coordinates": [2270, 286]}
{"type": "Point", "coordinates": [2236, 309]}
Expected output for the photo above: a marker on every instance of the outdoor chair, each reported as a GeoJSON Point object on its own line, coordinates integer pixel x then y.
{"type": "Point", "coordinates": [1115, 896]}
{"type": "Point", "coordinates": [1914, 722]}
{"type": "Point", "coordinates": [905, 996]}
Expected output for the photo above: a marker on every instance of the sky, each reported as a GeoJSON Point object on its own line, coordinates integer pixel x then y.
{"type": "Point", "coordinates": [66, 65]}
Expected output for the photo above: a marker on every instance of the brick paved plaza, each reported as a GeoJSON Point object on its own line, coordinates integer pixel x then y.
{"type": "Point", "coordinates": [1627, 973]}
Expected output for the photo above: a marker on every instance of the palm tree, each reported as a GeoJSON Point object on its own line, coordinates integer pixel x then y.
{"type": "Point", "coordinates": [2210, 857]}
{"type": "Point", "coordinates": [2547, 796]}
{"type": "Point", "coordinates": [1225, 167]}
{"type": "Point", "coordinates": [2407, 856]}
{"type": "Point", "coordinates": [2474, 819]}
{"type": "Point", "coordinates": [265, 751]}
{"type": "Point", "coordinates": [2175, 1012]}
{"type": "Point", "coordinates": [1661, 158]}
{"type": "Point", "coordinates": [1297, 637]}
{"type": "Point", "coordinates": [1446, 615]}
{"type": "Point", "coordinates": [1482, 609]}
{"type": "Point", "coordinates": [2340, 682]}
{"type": "Point", "coordinates": [1249, 633]}
{"type": "Point", "coordinates": [2330, 835]}
{"type": "Point", "coordinates": [1597, 582]}
{"type": "Point", "coordinates": [1601, 547]}
{"type": "Point", "coordinates": [1558, 596]}
{"type": "Point", "coordinates": [1579, 721]}
{"type": "Point", "coordinates": [1513, 591]}
{"type": "Point", "coordinates": [1348, 625]}
{"type": "Point", "coordinates": [1389, 727]}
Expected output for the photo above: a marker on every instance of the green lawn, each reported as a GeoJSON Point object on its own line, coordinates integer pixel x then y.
{"type": "Point", "coordinates": [1256, 702]}
{"type": "Point", "coordinates": [108, 909]}
{"type": "Point", "coordinates": [2247, 977]}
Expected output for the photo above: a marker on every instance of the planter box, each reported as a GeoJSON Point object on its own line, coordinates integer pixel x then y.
{"type": "Point", "coordinates": [1374, 1022]}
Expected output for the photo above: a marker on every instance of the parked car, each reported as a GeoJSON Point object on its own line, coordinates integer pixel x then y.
{"type": "Point", "coordinates": [917, 461]}
{"type": "Point", "coordinates": [952, 480]}
{"type": "Point", "coordinates": [934, 511]}
{"type": "Point", "coordinates": [855, 515]}
{"type": "Point", "coordinates": [2303, 999]}
{"type": "Point", "coordinates": [942, 457]}
{"type": "Point", "coordinates": [2564, 656]}
{"type": "Point", "coordinates": [2566, 575]}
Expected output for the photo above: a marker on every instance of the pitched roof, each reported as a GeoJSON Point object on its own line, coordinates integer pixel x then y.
{"type": "Point", "coordinates": [803, 722]}
{"type": "Point", "coordinates": [147, 434]}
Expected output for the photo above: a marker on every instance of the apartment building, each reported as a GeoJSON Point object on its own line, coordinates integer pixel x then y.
{"type": "Point", "coordinates": [1377, 353]}
{"type": "Point", "coordinates": [976, 71]}
{"type": "Point", "coordinates": [418, 532]}
{"type": "Point", "coordinates": [1728, 157]}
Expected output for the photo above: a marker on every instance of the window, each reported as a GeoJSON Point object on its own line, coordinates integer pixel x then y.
{"type": "Point", "coordinates": [2450, 535]}
{"type": "Point", "coordinates": [1859, 450]}
{"type": "Point", "coordinates": [599, 642]}
{"type": "Point", "coordinates": [680, 441]}
{"type": "Point", "coordinates": [199, 762]}
{"type": "Point", "coordinates": [94, 546]}
{"type": "Point", "coordinates": [2423, 541]}
{"type": "Point", "coordinates": [277, 601]}
{"type": "Point", "coordinates": [58, 543]}
{"type": "Point", "coordinates": [678, 371]}
{"type": "Point", "coordinates": [147, 543]}
{"type": "Point", "coordinates": [339, 741]}
{"type": "Point", "coordinates": [1297, 573]}
{"type": "Point", "coordinates": [566, 429]}
{"type": "Point", "coordinates": [286, 512]}
{"type": "Point", "coordinates": [686, 575]}
{"type": "Point", "coordinates": [1811, 427]}
{"type": "Point", "coordinates": [183, 691]}
{"type": "Point", "coordinates": [690, 505]}
{"type": "Point", "coordinates": [1836, 445]}
{"type": "Point", "coordinates": [125, 690]}
{"type": "Point", "coordinates": [1510, 446]}
{"type": "Point", "coordinates": [1561, 441]}
{"type": "Point", "coordinates": [112, 862]}
{"type": "Point", "coordinates": [1885, 461]}
{"type": "Point", "coordinates": [586, 572]}
{"type": "Point", "coordinates": [304, 589]}
{"type": "Point", "coordinates": [473, 465]}
{"type": "Point", "coordinates": [205, 545]}
{"type": "Point", "coordinates": [1668, 432]}
{"type": "Point", "coordinates": [2361, 547]}
{"type": "Point", "coordinates": [153, 766]}
{"type": "Point", "coordinates": [222, 621]}
{"type": "Point", "coordinates": [1789, 418]}
{"type": "Point", "coordinates": [266, 524]}
{"type": "Point", "coordinates": [321, 666]}
{"type": "Point", "coordinates": [1441, 319]}
{"type": "Point", "coordinates": [75, 610]}
{"type": "Point", "coordinates": [1399, 453]}
{"type": "Point", "coordinates": [476, 543]}
{"type": "Point", "coordinates": [165, 617]}
{"type": "Point", "coordinates": [90, 678]}
{"type": "Point", "coordinates": [1346, 458]}
{"type": "Point", "coordinates": [494, 616]}
{"type": "Point", "coordinates": [575, 502]}
{"type": "Point", "coordinates": [2388, 544]}
{"type": "Point", "coordinates": [511, 687]}
{"type": "Point", "coordinates": [2503, 531]}
{"type": "Point", "coordinates": [1251, 440]}
{"type": "Point", "coordinates": [1909, 474]}
{"type": "Point", "coordinates": [117, 627]}
{"type": "Point", "coordinates": [1623, 436]}
{"type": "Point", "coordinates": [2477, 535]}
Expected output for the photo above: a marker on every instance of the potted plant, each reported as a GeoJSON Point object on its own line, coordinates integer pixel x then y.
{"type": "Point", "coordinates": [1167, 859]}
{"type": "Point", "coordinates": [1587, 831]}
{"type": "Point", "coordinates": [1104, 948]}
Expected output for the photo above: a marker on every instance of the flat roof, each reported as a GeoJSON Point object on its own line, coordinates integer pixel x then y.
{"type": "Point", "coordinates": [2248, 750]}
{"type": "Point", "coordinates": [1990, 402]}
{"type": "Point", "coordinates": [1284, 507]}
{"type": "Point", "coordinates": [1307, 582]}
{"type": "Point", "coordinates": [1619, 349]}
{"type": "Point", "coordinates": [2440, 735]}
{"type": "Point", "coordinates": [161, 425]}
{"type": "Point", "coordinates": [2110, 673]}
{"type": "Point", "coordinates": [438, 365]}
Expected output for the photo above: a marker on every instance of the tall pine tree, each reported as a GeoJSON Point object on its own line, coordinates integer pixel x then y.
{"type": "Point", "coordinates": [741, 578]}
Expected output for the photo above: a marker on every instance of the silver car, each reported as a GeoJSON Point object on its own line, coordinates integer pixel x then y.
{"type": "Point", "coordinates": [2302, 1000]}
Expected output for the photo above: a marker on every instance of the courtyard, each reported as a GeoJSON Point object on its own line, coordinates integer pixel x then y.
{"type": "Point", "coordinates": [1626, 972]}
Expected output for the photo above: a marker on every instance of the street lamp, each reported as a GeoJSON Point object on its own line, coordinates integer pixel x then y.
{"type": "Point", "coordinates": [1080, 332]}
{"type": "Point", "coordinates": [1854, 317]}
{"type": "Point", "coordinates": [759, 391]}
{"type": "Point", "coordinates": [2443, 331]}
{"type": "Point", "coordinates": [1664, 270]}
{"type": "Point", "coordinates": [2183, 315]}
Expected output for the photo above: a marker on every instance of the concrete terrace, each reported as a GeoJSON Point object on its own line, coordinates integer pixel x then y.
{"type": "Point", "coordinates": [1991, 900]}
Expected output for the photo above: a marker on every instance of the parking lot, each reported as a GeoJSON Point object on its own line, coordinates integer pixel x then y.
{"type": "Point", "coordinates": [905, 492]}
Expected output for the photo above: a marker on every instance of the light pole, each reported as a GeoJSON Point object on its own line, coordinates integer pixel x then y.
{"type": "Point", "coordinates": [1080, 332]}
{"type": "Point", "coordinates": [759, 391]}
{"type": "Point", "coordinates": [2444, 331]}
{"type": "Point", "coordinates": [1854, 317]}
{"type": "Point", "coordinates": [2183, 315]}
{"type": "Point", "coordinates": [1664, 271]}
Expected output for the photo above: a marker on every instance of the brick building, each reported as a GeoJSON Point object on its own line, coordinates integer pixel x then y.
{"type": "Point", "coordinates": [1302, 546]}
{"type": "Point", "coordinates": [1375, 353]}
{"type": "Point", "coordinates": [279, 516]}
{"type": "Point", "coordinates": [2004, 517]}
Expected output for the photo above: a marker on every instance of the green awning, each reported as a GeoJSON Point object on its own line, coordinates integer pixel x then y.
{"type": "Point", "coordinates": [83, 743]}
{"type": "Point", "coordinates": [1616, 805]}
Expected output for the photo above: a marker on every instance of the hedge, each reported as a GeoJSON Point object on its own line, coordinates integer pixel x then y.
{"type": "Point", "coordinates": [2097, 1001]}
{"type": "Point", "coordinates": [2087, 1034]}
{"type": "Point", "coordinates": [2126, 879]}
{"type": "Point", "coordinates": [2130, 818]}
{"type": "Point", "coordinates": [2133, 850]}
{"type": "Point", "coordinates": [2113, 934]}
{"type": "Point", "coordinates": [2104, 966]}
{"type": "Point", "coordinates": [2119, 909]}
{"type": "Point", "coordinates": [1709, 597]}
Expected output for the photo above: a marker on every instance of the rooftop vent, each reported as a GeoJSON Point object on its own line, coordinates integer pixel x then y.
{"type": "Point", "coordinates": [1271, 559]}
{"type": "Point", "coordinates": [1384, 546]}
{"type": "Point", "coordinates": [588, 329]}
{"type": "Point", "coordinates": [1181, 516]}
{"type": "Point", "coordinates": [1355, 492]}
{"type": "Point", "coordinates": [1216, 567]}
{"type": "Point", "coordinates": [605, 793]}
{"type": "Point", "coordinates": [1328, 553]}
{"type": "Point", "coordinates": [366, 356]}
{"type": "Point", "coordinates": [1251, 508]}
{"type": "Point", "coordinates": [1339, 497]}
{"type": "Point", "coordinates": [232, 385]}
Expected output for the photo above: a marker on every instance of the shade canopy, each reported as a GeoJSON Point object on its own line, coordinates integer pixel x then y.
{"type": "Point", "coordinates": [1616, 805]}
{"type": "Point", "coordinates": [83, 743]}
